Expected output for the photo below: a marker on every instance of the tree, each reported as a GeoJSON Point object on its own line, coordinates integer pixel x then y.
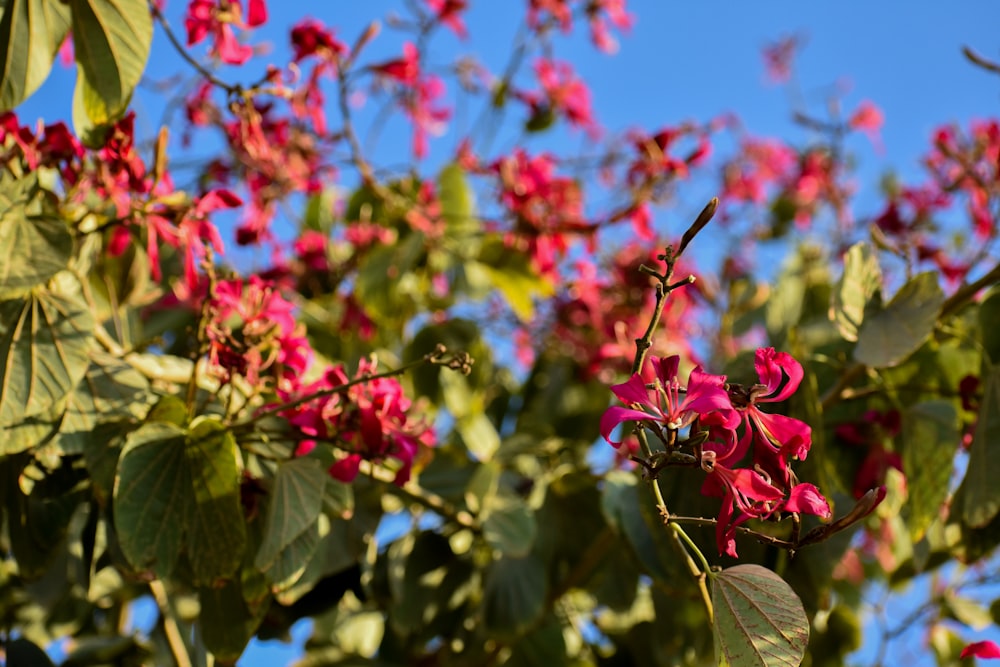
{"type": "Point", "coordinates": [597, 445]}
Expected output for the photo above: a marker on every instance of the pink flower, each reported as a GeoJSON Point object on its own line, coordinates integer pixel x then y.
{"type": "Point", "coordinates": [778, 59]}
{"type": "Point", "coordinates": [868, 118]}
{"type": "Point", "coordinates": [746, 494]}
{"type": "Point", "coordinates": [312, 38]}
{"type": "Point", "coordinates": [777, 434]}
{"type": "Point", "coordinates": [405, 70]}
{"type": "Point", "coordinates": [663, 405]}
{"type": "Point", "coordinates": [983, 649]}
{"type": "Point", "coordinates": [448, 11]}
{"type": "Point", "coordinates": [565, 93]}
{"type": "Point", "coordinates": [206, 17]}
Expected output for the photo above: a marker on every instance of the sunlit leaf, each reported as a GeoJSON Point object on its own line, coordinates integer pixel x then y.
{"type": "Point", "coordinates": [894, 332]}
{"type": "Point", "coordinates": [479, 435]}
{"type": "Point", "coordinates": [44, 340]}
{"type": "Point", "coordinates": [111, 390]}
{"type": "Point", "coordinates": [510, 527]}
{"type": "Point", "coordinates": [458, 205]}
{"type": "Point", "coordinates": [31, 32]}
{"type": "Point", "coordinates": [759, 620]}
{"type": "Point", "coordinates": [36, 247]}
{"type": "Point", "coordinates": [216, 527]}
{"type": "Point", "coordinates": [511, 273]}
{"type": "Point", "coordinates": [152, 492]}
{"type": "Point", "coordinates": [294, 505]}
{"type": "Point", "coordinates": [989, 325]}
{"type": "Point", "coordinates": [981, 491]}
{"type": "Point", "coordinates": [111, 39]}
{"type": "Point", "coordinates": [930, 438]}
{"type": "Point", "coordinates": [862, 278]}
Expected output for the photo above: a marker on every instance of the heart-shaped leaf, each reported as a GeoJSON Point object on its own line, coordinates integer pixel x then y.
{"type": "Point", "coordinates": [759, 620]}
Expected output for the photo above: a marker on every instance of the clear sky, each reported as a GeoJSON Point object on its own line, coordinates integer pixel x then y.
{"type": "Point", "coordinates": [682, 61]}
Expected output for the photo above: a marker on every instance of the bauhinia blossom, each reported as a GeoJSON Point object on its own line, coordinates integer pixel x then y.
{"type": "Point", "coordinates": [666, 404]}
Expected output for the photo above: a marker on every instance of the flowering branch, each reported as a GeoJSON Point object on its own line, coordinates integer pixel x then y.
{"type": "Point", "coordinates": [457, 361]}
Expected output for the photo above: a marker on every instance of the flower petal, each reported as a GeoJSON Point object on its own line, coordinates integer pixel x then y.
{"type": "Point", "coordinates": [770, 367]}
{"type": "Point", "coordinates": [983, 649]}
{"type": "Point", "coordinates": [632, 392]}
{"type": "Point", "coordinates": [806, 499]}
{"type": "Point", "coordinates": [615, 415]}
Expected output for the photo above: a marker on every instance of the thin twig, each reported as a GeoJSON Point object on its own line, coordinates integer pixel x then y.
{"type": "Point", "coordinates": [170, 627]}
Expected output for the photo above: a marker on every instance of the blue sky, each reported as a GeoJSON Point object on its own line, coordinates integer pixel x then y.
{"type": "Point", "coordinates": [682, 61]}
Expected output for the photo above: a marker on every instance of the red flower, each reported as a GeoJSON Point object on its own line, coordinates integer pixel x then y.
{"type": "Point", "coordinates": [663, 403]}
{"type": "Point", "coordinates": [405, 70]}
{"type": "Point", "coordinates": [448, 13]}
{"type": "Point", "coordinates": [218, 18]}
{"type": "Point", "coordinates": [983, 649]}
{"type": "Point", "coordinates": [774, 432]}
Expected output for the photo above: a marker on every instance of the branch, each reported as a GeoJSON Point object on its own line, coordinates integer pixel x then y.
{"type": "Point", "coordinates": [172, 38]}
{"type": "Point", "coordinates": [170, 626]}
{"type": "Point", "coordinates": [977, 59]}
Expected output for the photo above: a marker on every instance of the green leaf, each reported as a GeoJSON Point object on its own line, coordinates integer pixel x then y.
{"type": "Point", "coordinates": [36, 247]}
{"type": "Point", "coordinates": [981, 491]}
{"type": "Point", "coordinates": [92, 118]}
{"type": "Point", "coordinates": [216, 527]}
{"type": "Point", "coordinates": [285, 570]}
{"type": "Point", "coordinates": [21, 651]}
{"type": "Point", "coordinates": [44, 339]}
{"type": "Point", "coordinates": [152, 491]}
{"type": "Point", "coordinates": [112, 40]}
{"type": "Point", "coordinates": [31, 32]}
{"type": "Point", "coordinates": [930, 437]}
{"type": "Point", "coordinates": [177, 486]}
{"type": "Point", "coordinates": [989, 325]}
{"type": "Point", "coordinates": [510, 526]}
{"type": "Point", "coordinates": [227, 624]}
{"type": "Point", "coordinates": [511, 273]}
{"type": "Point", "coordinates": [429, 584]}
{"type": "Point", "coordinates": [622, 508]}
{"type": "Point", "coordinates": [294, 507]}
{"type": "Point", "coordinates": [318, 215]}
{"type": "Point", "coordinates": [458, 204]}
{"type": "Point", "coordinates": [110, 391]}
{"type": "Point", "coordinates": [543, 647]}
{"type": "Point", "coordinates": [862, 278]}
{"type": "Point", "coordinates": [514, 595]}
{"type": "Point", "coordinates": [891, 334]}
{"type": "Point", "coordinates": [479, 435]}
{"type": "Point", "coordinates": [759, 620]}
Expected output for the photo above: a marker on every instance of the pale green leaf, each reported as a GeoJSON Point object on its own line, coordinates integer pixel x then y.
{"type": "Point", "coordinates": [479, 435]}
{"type": "Point", "coordinates": [44, 340]}
{"type": "Point", "coordinates": [36, 247]}
{"type": "Point", "coordinates": [458, 205]}
{"type": "Point", "coordinates": [981, 491]}
{"type": "Point", "coordinates": [31, 32]}
{"type": "Point", "coordinates": [216, 526]}
{"type": "Point", "coordinates": [510, 526]}
{"type": "Point", "coordinates": [894, 332]}
{"type": "Point", "coordinates": [759, 620]}
{"type": "Point", "coordinates": [293, 508]}
{"type": "Point", "coordinates": [930, 438]}
{"type": "Point", "coordinates": [862, 278]}
{"type": "Point", "coordinates": [112, 39]}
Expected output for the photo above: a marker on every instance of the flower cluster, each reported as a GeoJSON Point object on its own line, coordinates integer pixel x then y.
{"type": "Point", "coordinates": [368, 421]}
{"type": "Point", "coordinates": [417, 95]}
{"type": "Point", "coordinates": [745, 452]}
{"type": "Point", "coordinates": [547, 208]}
{"type": "Point", "coordinates": [601, 15]}
{"type": "Point", "coordinates": [252, 334]}
{"type": "Point", "coordinates": [218, 18]}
